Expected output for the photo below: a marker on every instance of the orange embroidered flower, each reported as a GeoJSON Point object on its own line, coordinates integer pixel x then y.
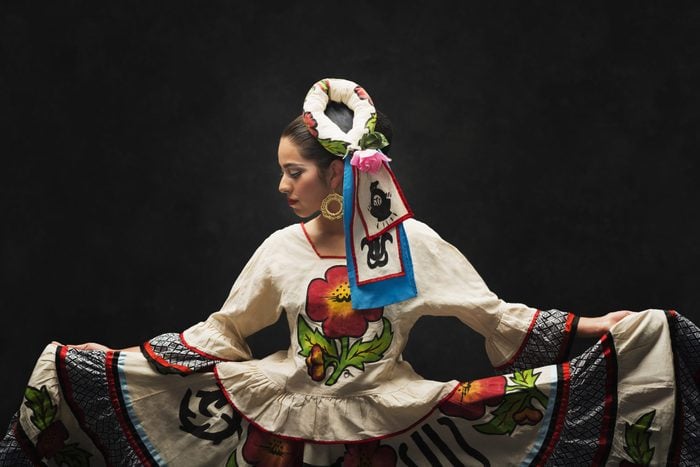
{"type": "Point", "coordinates": [527, 416]}
{"type": "Point", "coordinates": [328, 301]}
{"type": "Point", "coordinates": [315, 363]}
{"type": "Point", "coordinates": [265, 449]}
{"type": "Point", "coordinates": [369, 454]}
{"type": "Point", "coordinates": [471, 398]}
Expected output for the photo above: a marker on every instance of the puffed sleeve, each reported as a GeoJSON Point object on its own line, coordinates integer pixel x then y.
{"type": "Point", "coordinates": [516, 336]}
{"type": "Point", "coordinates": [252, 304]}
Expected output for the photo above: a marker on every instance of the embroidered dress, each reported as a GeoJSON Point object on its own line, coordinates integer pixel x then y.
{"type": "Point", "coordinates": [342, 395]}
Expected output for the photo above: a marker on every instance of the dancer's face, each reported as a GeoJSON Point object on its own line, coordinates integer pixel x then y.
{"type": "Point", "coordinates": [302, 182]}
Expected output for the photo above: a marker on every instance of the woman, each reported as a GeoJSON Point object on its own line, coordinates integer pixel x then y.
{"type": "Point", "coordinates": [352, 282]}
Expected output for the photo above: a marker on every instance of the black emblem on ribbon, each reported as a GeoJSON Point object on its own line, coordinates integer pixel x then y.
{"type": "Point", "coordinates": [381, 202]}
{"type": "Point", "coordinates": [230, 418]}
{"type": "Point", "coordinates": [377, 256]}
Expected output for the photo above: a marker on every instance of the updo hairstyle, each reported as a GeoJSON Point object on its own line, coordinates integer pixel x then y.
{"type": "Point", "coordinates": [341, 115]}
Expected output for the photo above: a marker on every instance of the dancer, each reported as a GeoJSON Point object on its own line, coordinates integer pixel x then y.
{"type": "Point", "coordinates": [352, 282]}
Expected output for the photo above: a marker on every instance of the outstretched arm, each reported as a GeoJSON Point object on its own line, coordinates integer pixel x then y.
{"type": "Point", "coordinates": [96, 346]}
{"type": "Point", "coordinates": [596, 327]}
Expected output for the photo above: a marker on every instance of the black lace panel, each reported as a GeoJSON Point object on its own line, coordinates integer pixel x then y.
{"type": "Point", "coordinates": [11, 452]}
{"type": "Point", "coordinates": [686, 342]}
{"type": "Point", "coordinates": [86, 388]}
{"type": "Point", "coordinates": [546, 343]}
{"type": "Point", "coordinates": [169, 354]}
{"type": "Point", "coordinates": [578, 441]}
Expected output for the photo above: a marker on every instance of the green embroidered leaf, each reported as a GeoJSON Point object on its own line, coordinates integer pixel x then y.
{"type": "Point", "coordinates": [525, 378]}
{"type": "Point", "coordinates": [232, 460]}
{"type": "Point", "coordinates": [309, 337]}
{"type": "Point", "coordinates": [371, 122]}
{"type": "Point", "coordinates": [43, 409]}
{"type": "Point", "coordinates": [503, 421]}
{"type": "Point", "coordinates": [339, 148]}
{"type": "Point", "coordinates": [637, 439]}
{"type": "Point", "coordinates": [325, 86]}
{"type": "Point", "coordinates": [373, 140]}
{"type": "Point", "coordinates": [362, 352]}
{"type": "Point", "coordinates": [72, 456]}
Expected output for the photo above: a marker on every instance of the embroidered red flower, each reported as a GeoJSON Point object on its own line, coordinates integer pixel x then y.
{"type": "Point", "coordinates": [51, 440]}
{"type": "Point", "coordinates": [315, 363]}
{"type": "Point", "coordinates": [471, 398]}
{"type": "Point", "coordinates": [310, 123]}
{"type": "Point", "coordinates": [362, 94]}
{"type": "Point", "coordinates": [328, 301]}
{"type": "Point", "coordinates": [262, 448]}
{"type": "Point", "coordinates": [369, 454]}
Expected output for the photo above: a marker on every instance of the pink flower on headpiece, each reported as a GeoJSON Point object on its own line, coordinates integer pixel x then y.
{"type": "Point", "coordinates": [368, 160]}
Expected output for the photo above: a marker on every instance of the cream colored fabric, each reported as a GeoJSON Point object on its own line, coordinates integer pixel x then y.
{"type": "Point", "coordinates": [645, 378]}
{"type": "Point", "coordinates": [277, 391]}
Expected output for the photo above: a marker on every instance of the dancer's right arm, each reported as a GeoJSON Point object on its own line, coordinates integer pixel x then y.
{"type": "Point", "coordinates": [96, 346]}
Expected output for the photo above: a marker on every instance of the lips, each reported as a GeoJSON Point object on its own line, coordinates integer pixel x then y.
{"type": "Point", "coordinates": [291, 201]}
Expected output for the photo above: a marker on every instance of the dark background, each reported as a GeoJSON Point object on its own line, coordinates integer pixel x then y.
{"type": "Point", "coordinates": [554, 143]}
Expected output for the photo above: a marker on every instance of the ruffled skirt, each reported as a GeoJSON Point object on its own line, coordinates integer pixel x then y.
{"type": "Point", "coordinates": [630, 399]}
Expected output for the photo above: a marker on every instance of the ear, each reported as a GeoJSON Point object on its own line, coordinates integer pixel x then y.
{"type": "Point", "coordinates": [336, 170]}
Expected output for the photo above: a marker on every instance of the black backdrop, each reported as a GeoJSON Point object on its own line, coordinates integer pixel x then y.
{"type": "Point", "coordinates": [554, 143]}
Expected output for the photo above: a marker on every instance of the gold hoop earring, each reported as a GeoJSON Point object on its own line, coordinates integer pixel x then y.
{"type": "Point", "coordinates": [330, 215]}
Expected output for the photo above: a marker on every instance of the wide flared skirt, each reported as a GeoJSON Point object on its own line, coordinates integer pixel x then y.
{"type": "Point", "coordinates": [630, 399]}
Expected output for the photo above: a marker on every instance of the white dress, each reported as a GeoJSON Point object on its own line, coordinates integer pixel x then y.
{"type": "Point", "coordinates": [342, 394]}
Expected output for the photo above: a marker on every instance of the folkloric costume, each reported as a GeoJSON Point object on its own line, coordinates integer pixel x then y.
{"type": "Point", "coordinates": [342, 394]}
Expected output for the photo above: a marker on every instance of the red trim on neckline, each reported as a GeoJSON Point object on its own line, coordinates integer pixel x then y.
{"type": "Point", "coordinates": [308, 238]}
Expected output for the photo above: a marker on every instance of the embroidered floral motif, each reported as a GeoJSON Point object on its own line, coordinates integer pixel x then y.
{"type": "Point", "coordinates": [637, 441]}
{"type": "Point", "coordinates": [362, 94]}
{"type": "Point", "coordinates": [51, 443]}
{"type": "Point", "coordinates": [52, 440]}
{"type": "Point", "coordinates": [315, 363]}
{"type": "Point", "coordinates": [517, 407]}
{"type": "Point", "coordinates": [311, 124]}
{"type": "Point", "coordinates": [514, 402]}
{"type": "Point", "coordinates": [334, 146]}
{"type": "Point", "coordinates": [325, 86]}
{"type": "Point", "coordinates": [328, 302]}
{"type": "Point", "coordinates": [369, 454]}
{"type": "Point", "coordinates": [262, 448]}
{"type": "Point", "coordinates": [471, 398]}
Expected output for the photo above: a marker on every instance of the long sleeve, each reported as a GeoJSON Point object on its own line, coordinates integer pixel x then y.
{"type": "Point", "coordinates": [516, 335]}
{"type": "Point", "coordinates": [252, 304]}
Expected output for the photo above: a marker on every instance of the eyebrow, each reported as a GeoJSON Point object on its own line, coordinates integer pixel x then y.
{"type": "Point", "coordinates": [292, 164]}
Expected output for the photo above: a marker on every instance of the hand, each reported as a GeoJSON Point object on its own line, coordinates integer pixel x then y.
{"type": "Point", "coordinates": [86, 346]}
{"type": "Point", "coordinates": [596, 327]}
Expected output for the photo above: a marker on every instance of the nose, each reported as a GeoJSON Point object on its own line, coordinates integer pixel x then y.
{"type": "Point", "coordinates": [284, 185]}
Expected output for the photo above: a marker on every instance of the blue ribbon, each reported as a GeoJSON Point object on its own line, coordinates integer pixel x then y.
{"type": "Point", "coordinates": [383, 292]}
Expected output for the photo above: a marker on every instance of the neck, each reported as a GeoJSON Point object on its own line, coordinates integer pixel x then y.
{"type": "Point", "coordinates": [327, 227]}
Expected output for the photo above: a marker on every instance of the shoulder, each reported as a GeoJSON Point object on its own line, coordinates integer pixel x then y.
{"type": "Point", "coordinates": [420, 231]}
{"type": "Point", "coordinates": [423, 239]}
{"type": "Point", "coordinates": [284, 233]}
{"type": "Point", "coordinates": [281, 237]}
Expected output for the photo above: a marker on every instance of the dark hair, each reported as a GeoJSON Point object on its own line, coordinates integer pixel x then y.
{"type": "Point", "coordinates": [341, 115]}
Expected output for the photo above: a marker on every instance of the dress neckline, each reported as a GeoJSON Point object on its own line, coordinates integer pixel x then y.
{"type": "Point", "coordinates": [308, 239]}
